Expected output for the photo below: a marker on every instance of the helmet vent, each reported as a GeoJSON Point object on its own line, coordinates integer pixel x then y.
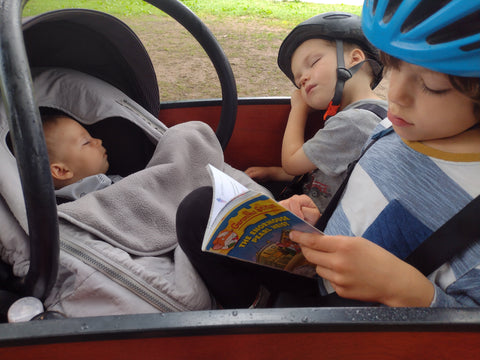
{"type": "Point", "coordinates": [337, 16]}
{"type": "Point", "coordinates": [424, 10]}
{"type": "Point", "coordinates": [390, 10]}
{"type": "Point", "coordinates": [374, 6]}
{"type": "Point", "coordinates": [470, 47]}
{"type": "Point", "coordinates": [462, 28]}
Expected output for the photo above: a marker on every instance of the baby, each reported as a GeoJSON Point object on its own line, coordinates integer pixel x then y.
{"type": "Point", "coordinates": [78, 162]}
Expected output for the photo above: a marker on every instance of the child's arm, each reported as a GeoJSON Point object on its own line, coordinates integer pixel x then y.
{"type": "Point", "coordinates": [294, 160]}
{"type": "Point", "coordinates": [359, 269]}
{"type": "Point", "coordinates": [268, 173]}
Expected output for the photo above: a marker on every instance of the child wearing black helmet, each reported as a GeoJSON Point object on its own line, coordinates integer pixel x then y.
{"type": "Point", "coordinates": [335, 69]}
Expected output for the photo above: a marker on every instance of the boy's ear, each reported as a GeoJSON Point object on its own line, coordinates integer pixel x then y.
{"type": "Point", "coordinates": [356, 56]}
{"type": "Point", "coordinates": [60, 171]}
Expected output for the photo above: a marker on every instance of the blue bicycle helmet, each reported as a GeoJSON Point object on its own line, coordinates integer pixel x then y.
{"type": "Point", "coordinates": [441, 35]}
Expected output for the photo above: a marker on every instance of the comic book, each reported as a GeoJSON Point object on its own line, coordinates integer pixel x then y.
{"type": "Point", "coordinates": [251, 226]}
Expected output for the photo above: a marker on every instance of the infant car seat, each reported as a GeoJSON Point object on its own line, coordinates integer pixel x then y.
{"type": "Point", "coordinates": [92, 67]}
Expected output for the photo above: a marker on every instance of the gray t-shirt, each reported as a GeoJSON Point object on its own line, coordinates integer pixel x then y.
{"type": "Point", "coordinates": [335, 146]}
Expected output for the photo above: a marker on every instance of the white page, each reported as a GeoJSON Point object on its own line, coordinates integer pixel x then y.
{"type": "Point", "coordinates": [225, 188]}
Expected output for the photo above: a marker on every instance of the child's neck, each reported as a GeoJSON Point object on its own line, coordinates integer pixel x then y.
{"type": "Point", "coordinates": [368, 95]}
{"type": "Point", "coordinates": [467, 142]}
{"type": "Point", "coordinates": [357, 89]}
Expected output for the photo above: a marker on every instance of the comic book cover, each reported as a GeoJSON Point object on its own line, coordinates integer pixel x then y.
{"type": "Point", "coordinates": [251, 226]}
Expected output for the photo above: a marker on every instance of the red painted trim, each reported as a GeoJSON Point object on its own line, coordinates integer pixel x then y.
{"type": "Point", "coordinates": [257, 137]}
{"type": "Point", "coordinates": [342, 345]}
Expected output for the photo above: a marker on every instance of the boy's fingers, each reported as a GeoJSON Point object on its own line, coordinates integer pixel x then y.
{"type": "Point", "coordinates": [302, 206]}
{"type": "Point", "coordinates": [311, 215]}
{"type": "Point", "coordinates": [320, 258]}
{"type": "Point", "coordinates": [293, 206]}
{"type": "Point", "coordinates": [297, 210]}
{"type": "Point", "coordinates": [325, 273]}
{"type": "Point", "coordinates": [315, 241]}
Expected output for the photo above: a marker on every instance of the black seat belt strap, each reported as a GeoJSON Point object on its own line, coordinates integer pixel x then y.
{"type": "Point", "coordinates": [378, 110]}
{"type": "Point", "coordinates": [453, 237]}
{"type": "Point", "coordinates": [332, 205]}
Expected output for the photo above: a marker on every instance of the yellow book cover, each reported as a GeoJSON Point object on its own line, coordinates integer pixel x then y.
{"type": "Point", "coordinates": [251, 226]}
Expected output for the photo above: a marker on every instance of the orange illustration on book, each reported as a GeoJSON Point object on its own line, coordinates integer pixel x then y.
{"type": "Point", "coordinates": [225, 240]}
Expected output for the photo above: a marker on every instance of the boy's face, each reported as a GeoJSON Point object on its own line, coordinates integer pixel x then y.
{"type": "Point", "coordinates": [314, 66]}
{"type": "Point", "coordinates": [423, 105]}
{"type": "Point", "coordinates": [74, 148]}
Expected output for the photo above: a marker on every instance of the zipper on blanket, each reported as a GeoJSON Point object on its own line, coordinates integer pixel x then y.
{"type": "Point", "coordinates": [114, 272]}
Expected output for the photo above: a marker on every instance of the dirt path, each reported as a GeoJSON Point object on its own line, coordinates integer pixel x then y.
{"type": "Point", "coordinates": [185, 72]}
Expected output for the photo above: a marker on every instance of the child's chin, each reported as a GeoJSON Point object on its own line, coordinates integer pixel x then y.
{"type": "Point", "coordinates": [404, 134]}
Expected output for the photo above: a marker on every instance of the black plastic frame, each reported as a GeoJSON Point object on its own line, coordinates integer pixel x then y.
{"type": "Point", "coordinates": [184, 16]}
{"type": "Point", "coordinates": [31, 154]}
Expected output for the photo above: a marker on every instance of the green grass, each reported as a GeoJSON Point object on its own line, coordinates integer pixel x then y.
{"type": "Point", "coordinates": [114, 7]}
{"type": "Point", "coordinates": [287, 12]}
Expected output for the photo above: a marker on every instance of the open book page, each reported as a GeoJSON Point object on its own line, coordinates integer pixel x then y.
{"type": "Point", "coordinates": [250, 226]}
{"type": "Point", "coordinates": [225, 188]}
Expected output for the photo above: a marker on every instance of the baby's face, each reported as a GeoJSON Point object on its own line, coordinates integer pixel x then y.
{"type": "Point", "coordinates": [74, 147]}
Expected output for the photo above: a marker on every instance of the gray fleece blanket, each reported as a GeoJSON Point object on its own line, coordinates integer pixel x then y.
{"type": "Point", "coordinates": [137, 214]}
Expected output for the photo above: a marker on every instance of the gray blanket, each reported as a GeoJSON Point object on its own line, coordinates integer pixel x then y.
{"type": "Point", "coordinates": [137, 214]}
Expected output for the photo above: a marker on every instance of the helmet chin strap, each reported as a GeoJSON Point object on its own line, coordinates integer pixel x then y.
{"type": "Point", "coordinates": [343, 74]}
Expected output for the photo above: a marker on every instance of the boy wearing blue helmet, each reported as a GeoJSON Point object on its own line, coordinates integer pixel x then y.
{"type": "Point", "coordinates": [420, 169]}
{"type": "Point", "coordinates": [335, 69]}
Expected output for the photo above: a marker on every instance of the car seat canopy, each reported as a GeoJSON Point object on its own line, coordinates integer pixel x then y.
{"type": "Point", "coordinates": [97, 44]}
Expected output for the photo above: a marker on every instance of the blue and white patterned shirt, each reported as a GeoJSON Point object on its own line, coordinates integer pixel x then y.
{"type": "Point", "coordinates": [399, 193]}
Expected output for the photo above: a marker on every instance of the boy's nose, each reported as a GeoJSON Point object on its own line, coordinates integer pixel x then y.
{"type": "Point", "coordinates": [305, 77]}
{"type": "Point", "coordinates": [399, 91]}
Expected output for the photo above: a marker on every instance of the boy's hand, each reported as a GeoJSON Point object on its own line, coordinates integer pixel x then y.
{"type": "Point", "coordinates": [298, 103]}
{"type": "Point", "coordinates": [359, 269]}
{"type": "Point", "coordinates": [303, 207]}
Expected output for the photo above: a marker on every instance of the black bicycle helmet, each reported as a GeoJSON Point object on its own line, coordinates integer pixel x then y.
{"type": "Point", "coordinates": [335, 26]}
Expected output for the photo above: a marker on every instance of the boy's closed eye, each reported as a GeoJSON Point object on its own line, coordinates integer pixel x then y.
{"type": "Point", "coordinates": [314, 61]}
{"type": "Point", "coordinates": [429, 90]}
{"type": "Point", "coordinates": [434, 83]}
